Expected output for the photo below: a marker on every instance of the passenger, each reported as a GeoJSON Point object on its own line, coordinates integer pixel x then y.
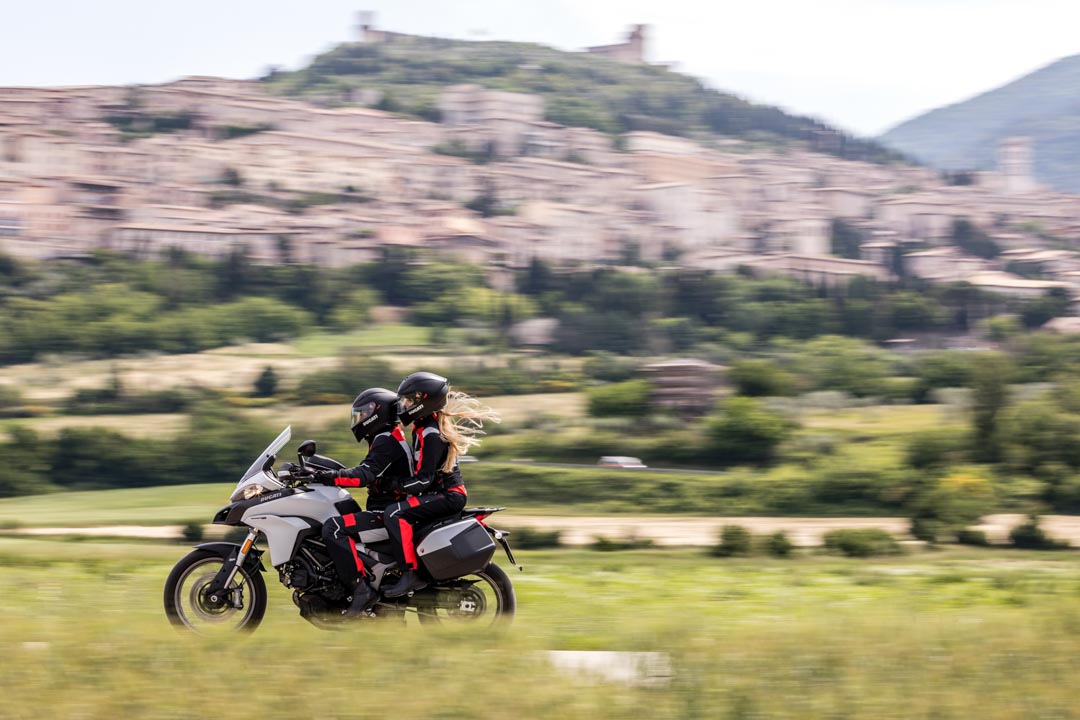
{"type": "Point", "coordinates": [389, 458]}
{"type": "Point", "coordinates": [445, 424]}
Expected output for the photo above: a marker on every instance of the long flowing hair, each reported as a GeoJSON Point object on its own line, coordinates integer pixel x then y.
{"type": "Point", "coordinates": [461, 423]}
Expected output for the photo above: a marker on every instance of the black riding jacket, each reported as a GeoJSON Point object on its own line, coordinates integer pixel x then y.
{"type": "Point", "coordinates": [429, 453]}
{"type": "Point", "coordinates": [389, 460]}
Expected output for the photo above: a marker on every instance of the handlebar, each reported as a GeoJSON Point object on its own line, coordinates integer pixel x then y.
{"type": "Point", "coordinates": [291, 477]}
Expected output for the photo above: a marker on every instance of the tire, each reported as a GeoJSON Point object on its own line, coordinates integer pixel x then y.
{"type": "Point", "coordinates": [185, 608]}
{"type": "Point", "coordinates": [492, 578]}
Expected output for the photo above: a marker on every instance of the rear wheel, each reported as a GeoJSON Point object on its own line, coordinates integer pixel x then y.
{"type": "Point", "coordinates": [483, 597]}
{"type": "Point", "coordinates": [189, 603]}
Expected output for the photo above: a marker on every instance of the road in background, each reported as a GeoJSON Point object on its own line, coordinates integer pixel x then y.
{"type": "Point", "coordinates": [667, 530]}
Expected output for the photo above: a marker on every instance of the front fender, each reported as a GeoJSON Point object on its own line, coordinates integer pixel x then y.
{"type": "Point", "coordinates": [230, 551]}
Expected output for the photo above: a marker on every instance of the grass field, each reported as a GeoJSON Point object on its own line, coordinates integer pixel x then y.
{"type": "Point", "coordinates": [375, 337]}
{"type": "Point", "coordinates": [512, 408]}
{"type": "Point", "coordinates": [232, 368]}
{"type": "Point", "coordinates": [882, 420]}
{"type": "Point", "coordinates": [130, 506]}
{"type": "Point", "coordinates": [954, 634]}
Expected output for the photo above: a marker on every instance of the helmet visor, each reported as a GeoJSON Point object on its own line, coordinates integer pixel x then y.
{"type": "Point", "coordinates": [362, 413]}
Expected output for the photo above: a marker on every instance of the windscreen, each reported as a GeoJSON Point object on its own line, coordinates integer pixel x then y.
{"type": "Point", "coordinates": [272, 449]}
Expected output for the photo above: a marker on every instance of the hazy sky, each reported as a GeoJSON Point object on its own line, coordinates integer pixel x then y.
{"type": "Point", "coordinates": [863, 65]}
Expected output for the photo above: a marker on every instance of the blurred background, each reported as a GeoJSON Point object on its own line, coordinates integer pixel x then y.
{"type": "Point", "coordinates": [779, 308]}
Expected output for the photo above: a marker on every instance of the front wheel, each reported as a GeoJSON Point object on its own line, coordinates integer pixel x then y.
{"type": "Point", "coordinates": [188, 602]}
{"type": "Point", "coordinates": [484, 597]}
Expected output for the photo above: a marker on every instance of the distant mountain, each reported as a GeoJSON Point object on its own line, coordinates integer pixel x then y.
{"type": "Point", "coordinates": [1044, 105]}
{"type": "Point", "coordinates": [578, 89]}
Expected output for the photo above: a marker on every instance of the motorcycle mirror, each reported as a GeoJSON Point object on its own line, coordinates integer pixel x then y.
{"type": "Point", "coordinates": [306, 449]}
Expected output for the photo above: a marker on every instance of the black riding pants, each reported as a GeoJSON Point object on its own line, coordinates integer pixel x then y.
{"type": "Point", "coordinates": [418, 510]}
{"type": "Point", "coordinates": [341, 534]}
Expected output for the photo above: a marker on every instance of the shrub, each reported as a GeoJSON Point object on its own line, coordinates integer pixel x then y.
{"type": "Point", "coordinates": [934, 449]}
{"type": "Point", "coordinates": [632, 542]}
{"type": "Point", "coordinates": [927, 529]}
{"type": "Point", "coordinates": [778, 544]}
{"type": "Point", "coordinates": [236, 535]}
{"type": "Point", "coordinates": [734, 540]}
{"type": "Point", "coordinates": [610, 368]}
{"type": "Point", "coordinates": [345, 381]}
{"type": "Point", "coordinates": [943, 506]}
{"type": "Point", "coordinates": [532, 539]}
{"type": "Point", "coordinates": [861, 542]}
{"type": "Point", "coordinates": [1029, 536]}
{"type": "Point", "coordinates": [9, 397]}
{"type": "Point", "coordinates": [624, 399]}
{"type": "Point", "coordinates": [192, 532]}
{"type": "Point", "coordinates": [970, 536]}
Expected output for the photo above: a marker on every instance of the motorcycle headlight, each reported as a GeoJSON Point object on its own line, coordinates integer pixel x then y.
{"type": "Point", "coordinates": [253, 491]}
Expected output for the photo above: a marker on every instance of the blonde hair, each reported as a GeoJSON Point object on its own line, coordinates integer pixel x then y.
{"type": "Point", "coordinates": [461, 424]}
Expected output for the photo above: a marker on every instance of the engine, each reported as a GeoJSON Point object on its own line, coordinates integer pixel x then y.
{"type": "Point", "coordinates": [311, 571]}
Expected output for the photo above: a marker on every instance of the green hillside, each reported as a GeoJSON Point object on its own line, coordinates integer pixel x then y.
{"type": "Point", "coordinates": [1044, 105]}
{"type": "Point", "coordinates": [578, 90]}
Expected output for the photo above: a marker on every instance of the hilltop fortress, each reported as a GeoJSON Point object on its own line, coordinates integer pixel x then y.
{"type": "Point", "coordinates": [631, 50]}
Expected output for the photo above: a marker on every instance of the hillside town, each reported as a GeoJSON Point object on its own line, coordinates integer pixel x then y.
{"type": "Point", "coordinates": [208, 165]}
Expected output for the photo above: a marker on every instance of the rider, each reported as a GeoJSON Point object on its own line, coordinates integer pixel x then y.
{"type": "Point", "coordinates": [445, 423]}
{"type": "Point", "coordinates": [374, 418]}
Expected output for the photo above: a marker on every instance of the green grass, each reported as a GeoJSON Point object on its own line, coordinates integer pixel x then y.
{"type": "Point", "coordinates": [375, 337]}
{"type": "Point", "coordinates": [955, 634]}
{"type": "Point", "coordinates": [881, 420]}
{"type": "Point", "coordinates": [130, 506]}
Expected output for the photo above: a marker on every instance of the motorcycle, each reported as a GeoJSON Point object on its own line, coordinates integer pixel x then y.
{"type": "Point", "coordinates": [219, 587]}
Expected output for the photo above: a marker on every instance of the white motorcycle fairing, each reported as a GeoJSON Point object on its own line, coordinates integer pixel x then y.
{"type": "Point", "coordinates": [282, 519]}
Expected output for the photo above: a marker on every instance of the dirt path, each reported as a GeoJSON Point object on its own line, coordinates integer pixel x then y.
{"type": "Point", "coordinates": [661, 529]}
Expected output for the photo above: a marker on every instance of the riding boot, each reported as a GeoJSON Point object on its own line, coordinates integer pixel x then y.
{"type": "Point", "coordinates": [409, 583]}
{"type": "Point", "coordinates": [363, 597]}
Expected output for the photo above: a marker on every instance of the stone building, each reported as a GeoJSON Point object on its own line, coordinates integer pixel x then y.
{"type": "Point", "coordinates": [684, 385]}
{"type": "Point", "coordinates": [630, 51]}
{"type": "Point", "coordinates": [478, 117]}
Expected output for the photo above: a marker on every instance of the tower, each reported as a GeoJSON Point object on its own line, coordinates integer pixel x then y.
{"type": "Point", "coordinates": [366, 26]}
{"type": "Point", "coordinates": [635, 43]}
{"type": "Point", "coordinates": [1015, 165]}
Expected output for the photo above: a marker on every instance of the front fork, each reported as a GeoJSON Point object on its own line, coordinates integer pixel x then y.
{"type": "Point", "coordinates": [219, 587]}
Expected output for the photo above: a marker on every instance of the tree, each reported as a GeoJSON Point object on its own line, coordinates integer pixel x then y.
{"type": "Point", "coordinates": [744, 431]}
{"type": "Point", "coordinates": [232, 176]}
{"type": "Point", "coordinates": [537, 278]}
{"type": "Point", "coordinates": [846, 364]}
{"type": "Point", "coordinates": [991, 393]}
{"type": "Point", "coordinates": [972, 240]}
{"type": "Point", "coordinates": [267, 382]}
{"type": "Point", "coordinates": [944, 369]}
{"type": "Point", "coordinates": [760, 378]}
{"type": "Point", "coordinates": [486, 203]}
{"type": "Point", "coordinates": [844, 239]}
{"type": "Point", "coordinates": [1039, 435]}
{"type": "Point", "coordinates": [236, 273]}
{"type": "Point", "coordinates": [1036, 312]}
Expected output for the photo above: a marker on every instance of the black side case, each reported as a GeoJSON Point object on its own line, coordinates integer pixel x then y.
{"type": "Point", "coordinates": [457, 549]}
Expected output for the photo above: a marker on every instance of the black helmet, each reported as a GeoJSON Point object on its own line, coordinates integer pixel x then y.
{"type": "Point", "coordinates": [373, 411]}
{"type": "Point", "coordinates": [421, 394]}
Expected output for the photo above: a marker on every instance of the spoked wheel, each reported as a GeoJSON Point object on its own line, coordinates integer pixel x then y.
{"type": "Point", "coordinates": [189, 603]}
{"type": "Point", "coordinates": [483, 598]}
